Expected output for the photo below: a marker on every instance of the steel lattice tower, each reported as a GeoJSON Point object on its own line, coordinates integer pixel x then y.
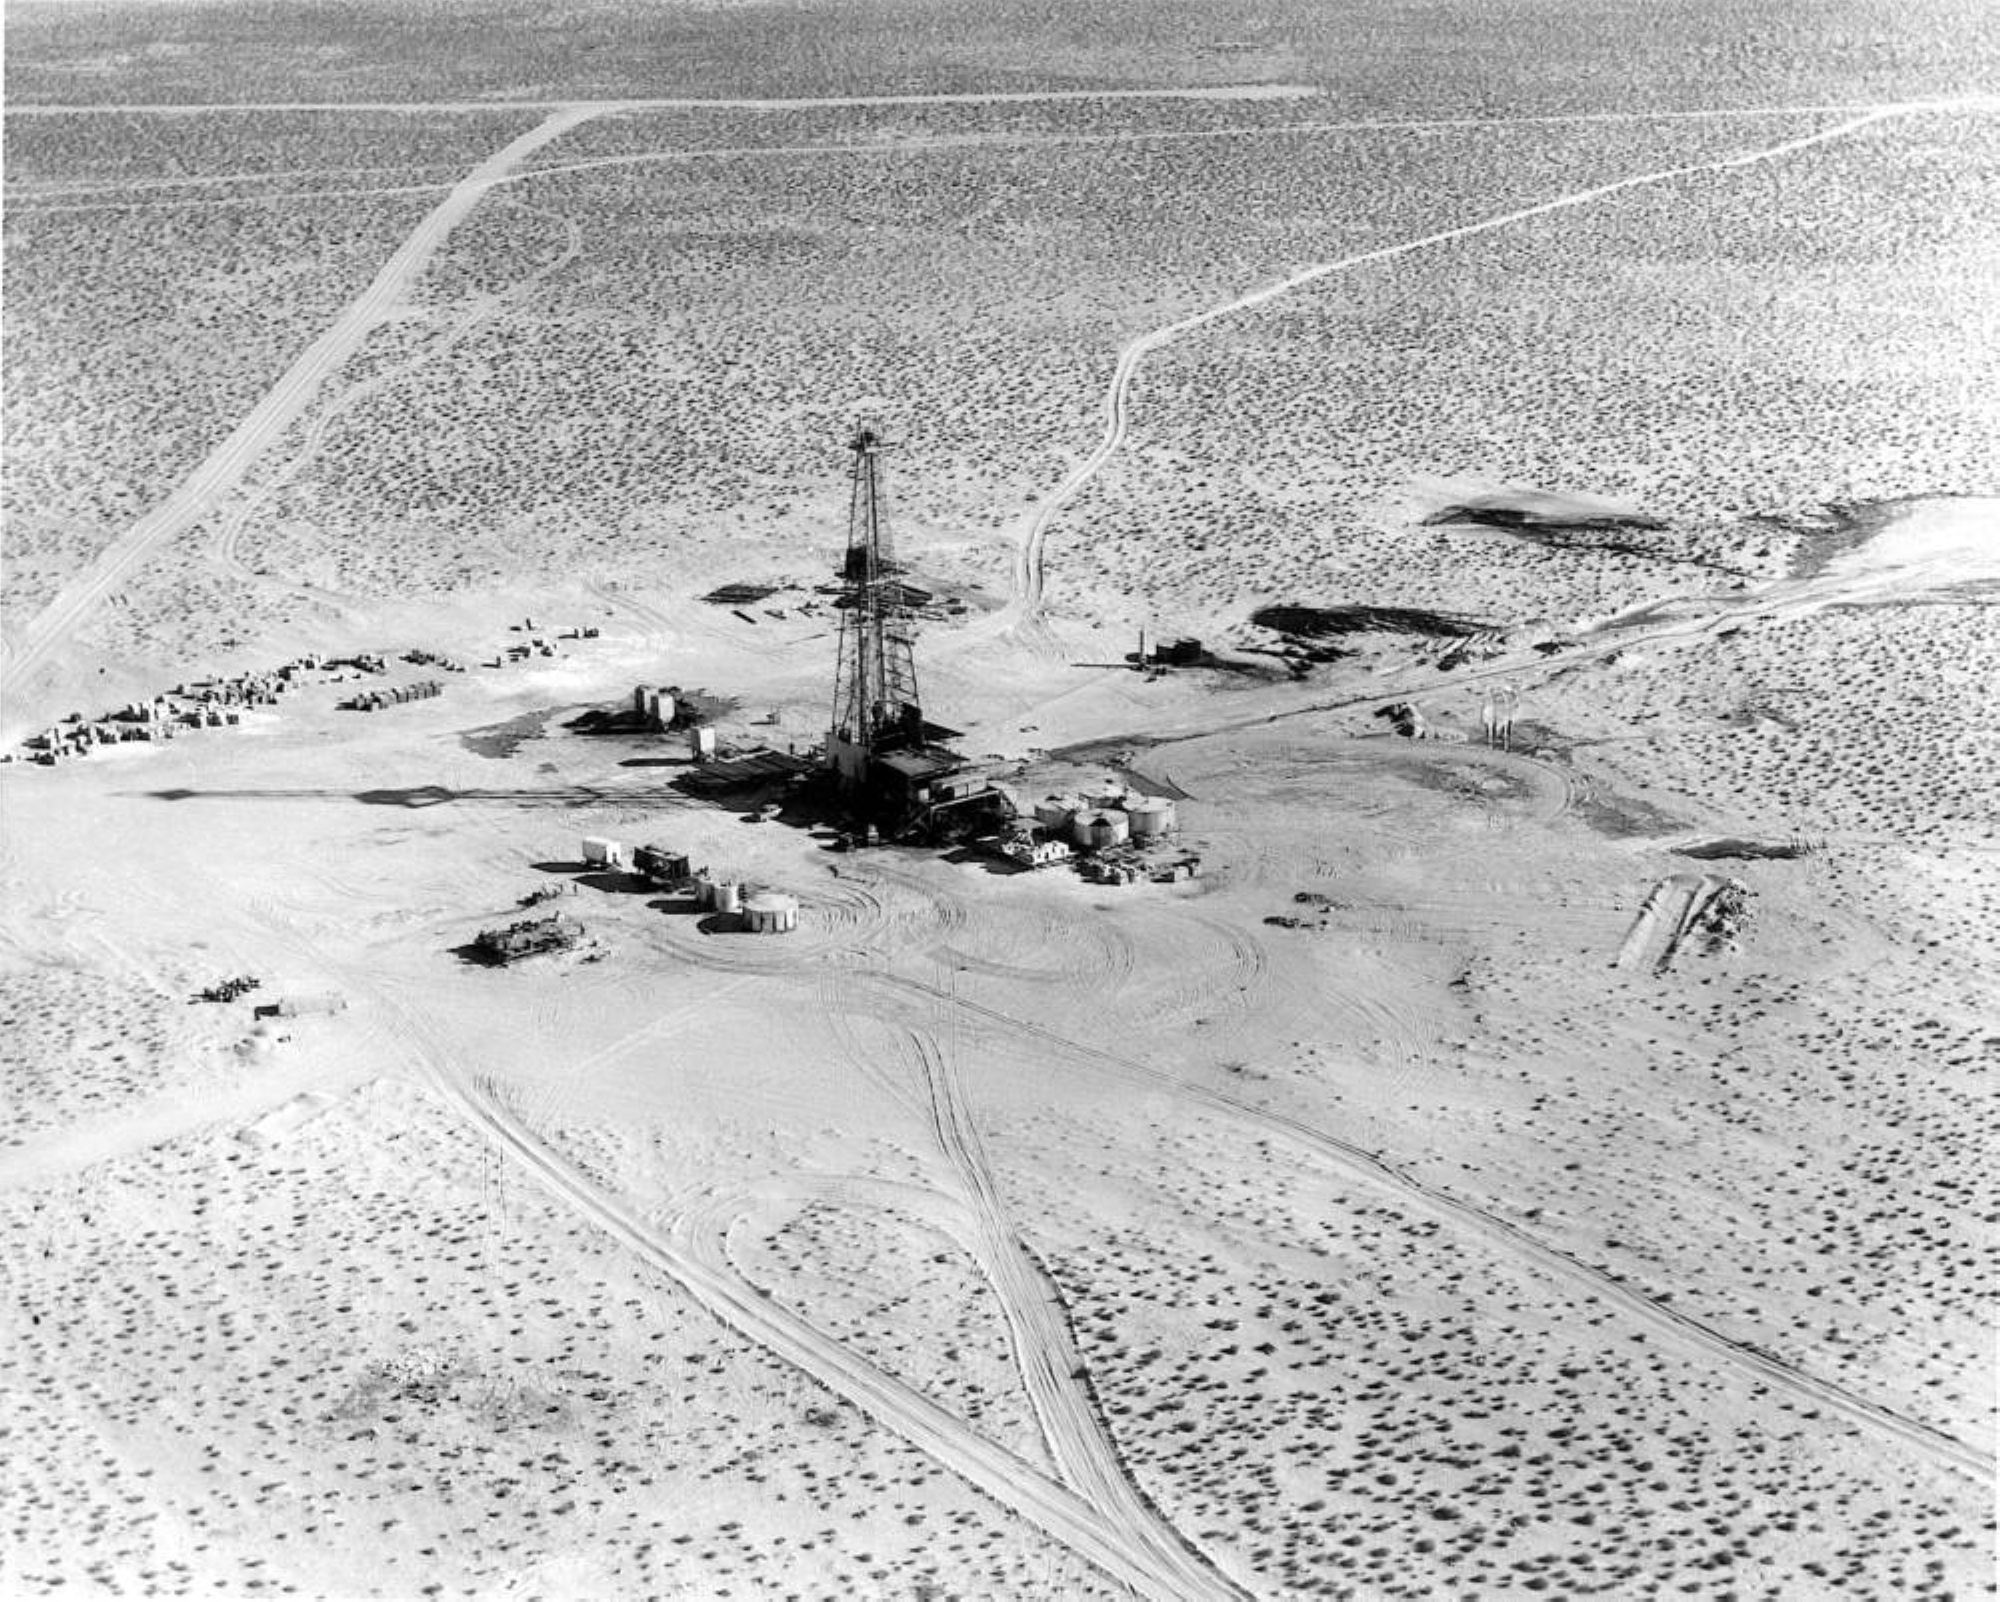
{"type": "Point", "coordinates": [875, 705]}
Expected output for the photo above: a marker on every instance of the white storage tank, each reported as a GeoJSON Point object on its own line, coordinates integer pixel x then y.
{"type": "Point", "coordinates": [701, 744]}
{"type": "Point", "coordinates": [663, 707]}
{"type": "Point", "coordinates": [728, 896]}
{"type": "Point", "coordinates": [704, 889]}
{"type": "Point", "coordinates": [1151, 815]}
{"type": "Point", "coordinates": [770, 913]}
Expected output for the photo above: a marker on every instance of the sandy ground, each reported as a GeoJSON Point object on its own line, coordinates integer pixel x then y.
{"type": "Point", "coordinates": [1424, 1201]}
{"type": "Point", "coordinates": [1410, 1249]}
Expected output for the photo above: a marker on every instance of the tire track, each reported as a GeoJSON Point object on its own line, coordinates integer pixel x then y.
{"type": "Point", "coordinates": [267, 422]}
{"type": "Point", "coordinates": [227, 545]}
{"type": "Point", "coordinates": [1050, 1362]}
{"type": "Point", "coordinates": [700, 1265]}
{"type": "Point", "coordinates": [702, 1269]}
{"type": "Point", "coordinates": [1934, 1445]}
{"type": "Point", "coordinates": [594, 108]}
{"type": "Point", "coordinates": [1031, 560]}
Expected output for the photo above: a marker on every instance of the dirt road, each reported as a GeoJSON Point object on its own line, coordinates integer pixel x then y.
{"type": "Point", "coordinates": [1030, 568]}
{"type": "Point", "coordinates": [266, 423]}
{"type": "Point", "coordinates": [703, 1270]}
{"type": "Point", "coordinates": [1931, 1444]}
{"type": "Point", "coordinates": [1050, 1362]}
{"type": "Point", "coordinates": [592, 108]}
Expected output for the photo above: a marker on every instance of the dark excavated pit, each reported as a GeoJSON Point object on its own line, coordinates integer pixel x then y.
{"type": "Point", "coordinates": [1746, 850]}
{"type": "Point", "coordinates": [1324, 622]}
{"type": "Point", "coordinates": [1608, 534]}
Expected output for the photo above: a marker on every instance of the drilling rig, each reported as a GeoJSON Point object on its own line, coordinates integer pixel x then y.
{"type": "Point", "coordinates": [875, 705]}
{"type": "Point", "coordinates": [892, 767]}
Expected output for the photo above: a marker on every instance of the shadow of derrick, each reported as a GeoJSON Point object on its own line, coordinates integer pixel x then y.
{"type": "Point", "coordinates": [434, 795]}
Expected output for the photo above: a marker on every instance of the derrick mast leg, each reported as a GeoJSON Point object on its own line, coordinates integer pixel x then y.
{"type": "Point", "coordinates": [875, 705]}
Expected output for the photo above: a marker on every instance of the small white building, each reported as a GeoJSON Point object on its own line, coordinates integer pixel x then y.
{"type": "Point", "coordinates": [1037, 853]}
{"type": "Point", "coordinates": [599, 852]}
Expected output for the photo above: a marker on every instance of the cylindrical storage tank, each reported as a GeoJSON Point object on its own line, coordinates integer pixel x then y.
{"type": "Point", "coordinates": [704, 890]}
{"type": "Point", "coordinates": [769, 913]}
{"type": "Point", "coordinates": [663, 707]}
{"type": "Point", "coordinates": [701, 744]}
{"type": "Point", "coordinates": [1055, 811]}
{"type": "Point", "coordinates": [728, 896]}
{"type": "Point", "coordinates": [1100, 829]}
{"type": "Point", "coordinates": [1151, 816]}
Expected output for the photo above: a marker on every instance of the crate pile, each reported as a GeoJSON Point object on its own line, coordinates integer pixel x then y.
{"type": "Point", "coordinates": [203, 704]}
{"type": "Point", "coordinates": [395, 695]}
{"type": "Point", "coordinates": [227, 989]}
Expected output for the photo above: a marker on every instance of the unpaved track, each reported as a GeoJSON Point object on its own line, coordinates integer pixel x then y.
{"type": "Point", "coordinates": [1781, 600]}
{"type": "Point", "coordinates": [700, 1265]}
{"type": "Point", "coordinates": [152, 1121]}
{"type": "Point", "coordinates": [227, 544]}
{"type": "Point", "coordinates": [707, 1276]}
{"type": "Point", "coordinates": [1931, 1444]}
{"type": "Point", "coordinates": [39, 200]}
{"type": "Point", "coordinates": [1031, 559]}
{"type": "Point", "coordinates": [266, 423]}
{"type": "Point", "coordinates": [1237, 91]}
{"type": "Point", "coordinates": [1045, 1350]}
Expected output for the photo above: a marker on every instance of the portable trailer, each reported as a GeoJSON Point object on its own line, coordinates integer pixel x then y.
{"type": "Point", "coordinates": [668, 869]}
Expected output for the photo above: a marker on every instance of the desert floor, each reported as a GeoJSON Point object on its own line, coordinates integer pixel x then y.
{"type": "Point", "coordinates": [1000, 1234]}
{"type": "Point", "coordinates": [1427, 1200]}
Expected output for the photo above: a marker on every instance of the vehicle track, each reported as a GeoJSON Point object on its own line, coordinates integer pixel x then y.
{"type": "Point", "coordinates": [701, 1267]}
{"type": "Point", "coordinates": [1046, 1353]}
{"type": "Point", "coordinates": [704, 1272]}
{"type": "Point", "coordinates": [1780, 600]}
{"type": "Point", "coordinates": [1217, 971]}
{"type": "Point", "coordinates": [267, 422]}
{"type": "Point", "coordinates": [1935, 1445]}
{"type": "Point", "coordinates": [622, 600]}
{"type": "Point", "coordinates": [227, 545]}
{"type": "Point", "coordinates": [1031, 560]}
{"type": "Point", "coordinates": [1246, 91]}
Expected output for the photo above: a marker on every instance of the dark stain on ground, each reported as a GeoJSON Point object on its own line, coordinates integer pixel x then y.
{"type": "Point", "coordinates": [1317, 622]}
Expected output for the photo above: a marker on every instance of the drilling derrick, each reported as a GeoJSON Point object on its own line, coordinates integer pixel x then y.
{"type": "Point", "coordinates": [875, 707]}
